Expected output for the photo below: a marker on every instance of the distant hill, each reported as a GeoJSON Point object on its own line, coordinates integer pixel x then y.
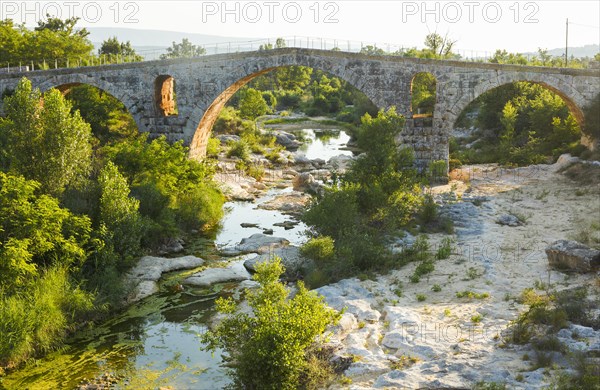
{"type": "Point", "coordinates": [579, 52]}
{"type": "Point", "coordinates": [152, 43]}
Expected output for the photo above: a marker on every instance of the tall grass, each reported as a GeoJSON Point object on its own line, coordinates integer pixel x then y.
{"type": "Point", "coordinates": [37, 319]}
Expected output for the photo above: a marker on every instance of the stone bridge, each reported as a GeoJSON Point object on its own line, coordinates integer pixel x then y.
{"type": "Point", "coordinates": [204, 85]}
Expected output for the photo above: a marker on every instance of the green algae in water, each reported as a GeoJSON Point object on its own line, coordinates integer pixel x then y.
{"type": "Point", "coordinates": [154, 343]}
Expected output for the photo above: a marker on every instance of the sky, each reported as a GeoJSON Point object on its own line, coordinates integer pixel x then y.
{"type": "Point", "coordinates": [477, 26]}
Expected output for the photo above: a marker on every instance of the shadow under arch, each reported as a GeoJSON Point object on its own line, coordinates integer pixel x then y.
{"type": "Point", "coordinates": [569, 95]}
{"type": "Point", "coordinates": [202, 131]}
{"type": "Point", "coordinates": [109, 117]}
{"type": "Point", "coordinates": [65, 83]}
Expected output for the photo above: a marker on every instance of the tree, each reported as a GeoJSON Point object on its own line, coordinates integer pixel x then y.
{"type": "Point", "coordinates": [119, 214]}
{"type": "Point", "coordinates": [252, 104]}
{"type": "Point", "coordinates": [53, 42]}
{"type": "Point", "coordinates": [58, 25]}
{"type": "Point", "coordinates": [12, 42]}
{"type": "Point", "coordinates": [113, 48]}
{"type": "Point", "coordinates": [372, 50]}
{"type": "Point", "coordinates": [35, 232]}
{"type": "Point", "coordinates": [438, 46]}
{"type": "Point", "coordinates": [48, 143]}
{"type": "Point", "coordinates": [267, 349]}
{"type": "Point", "coordinates": [185, 49]}
{"type": "Point", "coordinates": [109, 119]}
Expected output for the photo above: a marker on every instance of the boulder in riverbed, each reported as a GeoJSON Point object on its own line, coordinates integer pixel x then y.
{"type": "Point", "coordinates": [290, 257]}
{"type": "Point", "coordinates": [145, 275]}
{"type": "Point", "coordinates": [287, 140]}
{"type": "Point", "coordinates": [235, 272]}
{"type": "Point", "coordinates": [256, 243]}
{"type": "Point", "coordinates": [572, 256]}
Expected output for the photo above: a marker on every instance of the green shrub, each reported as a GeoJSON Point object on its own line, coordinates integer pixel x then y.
{"type": "Point", "coordinates": [320, 249]}
{"type": "Point", "coordinates": [445, 250]}
{"type": "Point", "coordinates": [240, 149]}
{"type": "Point", "coordinates": [200, 207]}
{"type": "Point", "coordinates": [119, 213]}
{"type": "Point", "coordinates": [38, 319]}
{"type": "Point", "coordinates": [213, 147]}
{"type": "Point", "coordinates": [36, 232]}
{"type": "Point", "coordinates": [268, 349]}
{"type": "Point", "coordinates": [454, 163]}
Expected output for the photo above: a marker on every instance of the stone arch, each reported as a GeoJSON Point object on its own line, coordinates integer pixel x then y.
{"type": "Point", "coordinates": [201, 121]}
{"type": "Point", "coordinates": [164, 95]}
{"type": "Point", "coordinates": [571, 96]}
{"type": "Point", "coordinates": [66, 82]}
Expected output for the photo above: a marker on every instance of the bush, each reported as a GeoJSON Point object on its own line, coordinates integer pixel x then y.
{"type": "Point", "coordinates": [119, 213]}
{"type": "Point", "coordinates": [320, 249]}
{"type": "Point", "coordinates": [239, 149]}
{"type": "Point", "coordinates": [162, 173]}
{"type": "Point", "coordinates": [36, 232]}
{"type": "Point", "coordinates": [213, 147]}
{"type": "Point", "coordinates": [38, 319]}
{"type": "Point", "coordinates": [268, 348]}
{"type": "Point", "coordinates": [200, 207]}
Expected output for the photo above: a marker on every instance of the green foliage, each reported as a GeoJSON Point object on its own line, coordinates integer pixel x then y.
{"type": "Point", "coordinates": [107, 116]}
{"type": "Point", "coordinates": [320, 249]}
{"type": "Point", "coordinates": [119, 214]}
{"type": "Point", "coordinates": [252, 104]}
{"type": "Point", "coordinates": [423, 94]}
{"type": "Point", "coordinates": [549, 312]}
{"type": "Point", "coordinates": [445, 249]}
{"type": "Point", "coordinates": [161, 174]}
{"type": "Point", "coordinates": [185, 49]}
{"type": "Point", "coordinates": [53, 39]}
{"type": "Point", "coordinates": [239, 149]}
{"type": "Point", "coordinates": [268, 349]}
{"type": "Point", "coordinates": [378, 194]}
{"type": "Point", "coordinates": [200, 207]}
{"type": "Point", "coordinates": [529, 122]}
{"type": "Point", "coordinates": [35, 232]}
{"type": "Point", "coordinates": [37, 319]}
{"type": "Point", "coordinates": [113, 49]}
{"type": "Point", "coordinates": [213, 147]}
{"type": "Point", "coordinates": [470, 295]}
{"type": "Point", "coordinates": [592, 118]}
{"type": "Point", "coordinates": [48, 143]}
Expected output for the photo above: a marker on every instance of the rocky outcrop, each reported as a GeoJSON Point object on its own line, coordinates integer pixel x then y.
{"type": "Point", "coordinates": [508, 220]}
{"type": "Point", "coordinates": [340, 162]}
{"type": "Point", "coordinates": [287, 203]}
{"type": "Point", "coordinates": [287, 140]}
{"type": "Point", "coordinates": [235, 272]}
{"type": "Point", "coordinates": [290, 257]}
{"type": "Point", "coordinates": [256, 243]}
{"type": "Point", "coordinates": [148, 271]}
{"type": "Point", "coordinates": [572, 256]}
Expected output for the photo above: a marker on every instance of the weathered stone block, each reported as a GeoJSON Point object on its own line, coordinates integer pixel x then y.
{"type": "Point", "coordinates": [572, 256]}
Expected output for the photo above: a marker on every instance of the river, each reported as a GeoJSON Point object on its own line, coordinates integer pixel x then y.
{"type": "Point", "coordinates": [156, 342]}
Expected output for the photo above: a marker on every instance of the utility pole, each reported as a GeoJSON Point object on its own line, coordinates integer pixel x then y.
{"type": "Point", "coordinates": [567, 45]}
